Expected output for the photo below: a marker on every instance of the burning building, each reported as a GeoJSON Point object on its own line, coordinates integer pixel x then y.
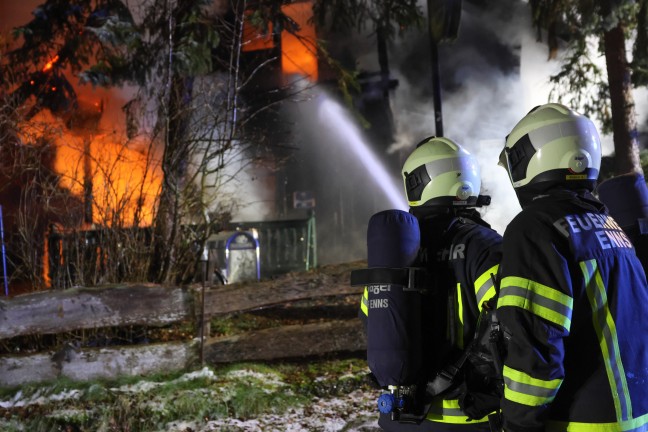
{"type": "Point", "coordinates": [113, 180]}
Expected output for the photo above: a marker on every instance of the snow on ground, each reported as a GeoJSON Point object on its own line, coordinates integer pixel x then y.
{"type": "Point", "coordinates": [355, 412]}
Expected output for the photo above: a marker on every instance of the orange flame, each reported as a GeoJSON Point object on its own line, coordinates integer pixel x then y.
{"type": "Point", "coordinates": [125, 179]}
{"type": "Point", "coordinates": [125, 182]}
{"type": "Point", "coordinates": [298, 52]}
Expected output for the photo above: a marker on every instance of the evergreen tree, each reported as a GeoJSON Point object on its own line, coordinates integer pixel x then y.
{"type": "Point", "coordinates": [607, 25]}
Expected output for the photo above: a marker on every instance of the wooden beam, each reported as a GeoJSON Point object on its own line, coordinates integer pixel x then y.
{"type": "Point", "coordinates": [319, 282]}
{"type": "Point", "coordinates": [286, 342]}
{"type": "Point", "coordinates": [83, 308]}
{"type": "Point", "coordinates": [96, 363]}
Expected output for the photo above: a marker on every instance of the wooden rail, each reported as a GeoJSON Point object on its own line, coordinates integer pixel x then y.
{"type": "Point", "coordinates": [53, 312]}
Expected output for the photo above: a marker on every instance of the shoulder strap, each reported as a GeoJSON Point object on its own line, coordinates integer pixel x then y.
{"type": "Point", "coordinates": [410, 278]}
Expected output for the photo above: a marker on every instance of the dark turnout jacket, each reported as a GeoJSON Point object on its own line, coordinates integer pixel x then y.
{"type": "Point", "coordinates": [574, 305]}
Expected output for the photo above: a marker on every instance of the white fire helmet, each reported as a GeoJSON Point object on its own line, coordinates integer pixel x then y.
{"type": "Point", "coordinates": [441, 172]}
{"type": "Point", "coordinates": [551, 145]}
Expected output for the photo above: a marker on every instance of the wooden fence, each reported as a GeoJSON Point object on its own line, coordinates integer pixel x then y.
{"type": "Point", "coordinates": [55, 312]}
{"type": "Point", "coordinates": [84, 257]}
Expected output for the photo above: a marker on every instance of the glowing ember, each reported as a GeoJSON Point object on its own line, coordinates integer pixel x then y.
{"type": "Point", "coordinates": [50, 64]}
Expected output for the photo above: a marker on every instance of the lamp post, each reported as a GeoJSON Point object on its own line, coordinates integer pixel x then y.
{"type": "Point", "coordinates": [443, 25]}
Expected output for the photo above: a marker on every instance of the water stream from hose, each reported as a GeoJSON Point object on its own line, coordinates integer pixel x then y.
{"type": "Point", "coordinates": [332, 113]}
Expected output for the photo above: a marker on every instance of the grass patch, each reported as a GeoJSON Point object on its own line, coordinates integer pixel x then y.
{"type": "Point", "coordinates": [330, 379]}
{"type": "Point", "coordinates": [242, 391]}
{"type": "Point", "coordinates": [297, 312]}
{"type": "Point", "coordinates": [241, 323]}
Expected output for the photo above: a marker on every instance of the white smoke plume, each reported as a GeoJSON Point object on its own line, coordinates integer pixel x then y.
{"type": "Point", "coordinates": [491, 75]}
{"type": "Point", "coordinates": [484, 94]}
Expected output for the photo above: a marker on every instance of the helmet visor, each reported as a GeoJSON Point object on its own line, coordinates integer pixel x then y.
{"type": "Point", "coordinates": [504, 161]}
{"type": "Point", "coordinates": [415, 183]}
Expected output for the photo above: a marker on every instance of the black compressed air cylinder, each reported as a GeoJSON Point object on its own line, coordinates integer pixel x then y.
{"type": "Point", "coordinates": [394, 313]}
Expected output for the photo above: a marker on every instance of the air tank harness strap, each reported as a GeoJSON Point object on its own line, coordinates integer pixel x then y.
{"type": "Point", "coordinates": [446, 378]}
{"type": "Point", "coordinates": [410, 278]}
{"type": "Point", "coordinates": [488, 327]}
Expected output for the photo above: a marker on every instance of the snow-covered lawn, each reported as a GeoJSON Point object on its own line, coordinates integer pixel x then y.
{"type": "Point", "coordinates": [355, 412]}
{"type": "Point", "coordinates": [202, 400]}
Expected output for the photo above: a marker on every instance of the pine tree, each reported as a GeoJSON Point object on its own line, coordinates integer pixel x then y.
{"type": "Point", "coordinates": [608, 25]}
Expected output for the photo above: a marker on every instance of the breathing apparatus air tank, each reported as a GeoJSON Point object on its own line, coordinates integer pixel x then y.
{"type": "Point", "coordinates": [394, 349]}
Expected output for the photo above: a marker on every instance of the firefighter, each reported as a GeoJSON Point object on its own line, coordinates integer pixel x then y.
{"type": "Point", "coordinates": [461, 251]}
{"type": "Point", "coordinates": [573, 297]}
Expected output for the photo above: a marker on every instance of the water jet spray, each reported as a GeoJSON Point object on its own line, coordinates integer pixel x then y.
{"type": "Point", "coordinates": [330, 112]}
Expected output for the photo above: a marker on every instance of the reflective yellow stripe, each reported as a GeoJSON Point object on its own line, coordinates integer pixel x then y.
{"type": "Point", "coordinates": [607, 336]}
{"type": "Point", "coordinates": [639, 424]}
{"type": "Point", "coordinates": [364, 302]}
{"type": "Point", "coordinates": [524, 389]}
{"type": "Point", "coordinates": [460, 321]}
{"type": "Point", "coordinates": [448, 411]}
{"type": "Point", "coordinates": [540, 300]}
{"type": "Point", "coordinates": [484, 287]}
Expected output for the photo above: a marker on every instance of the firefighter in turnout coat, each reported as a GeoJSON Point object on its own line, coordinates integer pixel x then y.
{"type": "Point", "coordinates": [573, 297]}
{"type": "Point", "coordinates": [442, 183]}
